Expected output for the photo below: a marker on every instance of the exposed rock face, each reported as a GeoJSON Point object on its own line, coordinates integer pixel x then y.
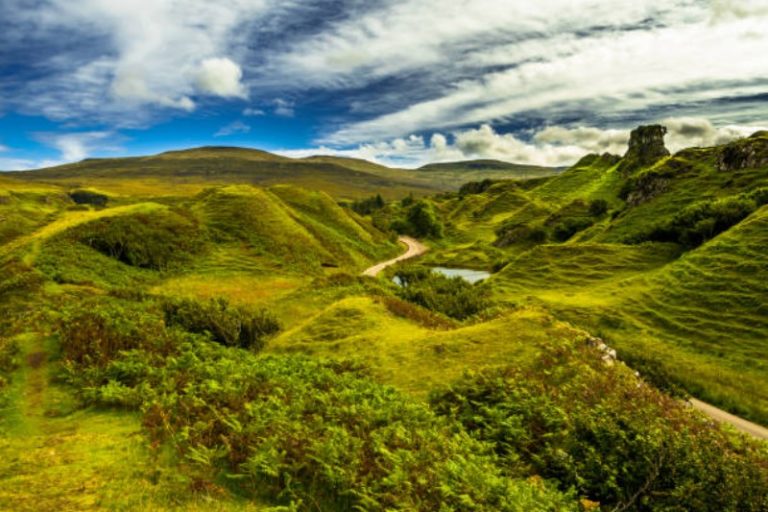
{"type": "Point", "coordinates": [607, 354]}
{"type": "Point", "coordinates": [646, 147]}
{"type": "Point", "coordinates": [745, 154]}
{"type": "Point", "coordinates": [645, 186]}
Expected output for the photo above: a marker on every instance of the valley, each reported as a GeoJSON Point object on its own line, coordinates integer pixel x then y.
{"type": "Point", "coordinates": [219, 329]}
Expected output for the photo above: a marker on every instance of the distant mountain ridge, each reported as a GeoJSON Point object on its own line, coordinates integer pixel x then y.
{"type": "Point", "coordinates": [342, 177]}
{"type": "Point", "coordinates": [485, 164]}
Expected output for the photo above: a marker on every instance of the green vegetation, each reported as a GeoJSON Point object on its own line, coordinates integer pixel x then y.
{"type": "Point", "coordinates": [618, 443]}
{"type": "Point", "coordinates": [369, 205]}
{"type": "Point", "coordinates": [89, 197]}
{"type": "Point", "coordinates": [451, 296]}
{"type": "Point", "coordinates": [419, 220]}
{"type": "Point", "coordinates": [175, 338]}
{"type": "Point", "coordinates": [231, 326]}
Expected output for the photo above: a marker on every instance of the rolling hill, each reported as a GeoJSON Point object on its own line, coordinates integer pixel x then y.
{"type": "Point", "coordinates": [662, 259]}
{"type": "Point", "coordinates": [172, 328]}
{"type": "Point", "coordinates": [187, 172]}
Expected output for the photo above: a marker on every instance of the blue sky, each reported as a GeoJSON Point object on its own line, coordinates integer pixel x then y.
{"type": "Point", "coordinates": [402, 82]}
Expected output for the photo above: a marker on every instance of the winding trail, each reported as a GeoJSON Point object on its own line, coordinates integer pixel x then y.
{"type": "Point", "coordinates": [415, 248]}
{"type": "Point", "coordinates": [721, 416]}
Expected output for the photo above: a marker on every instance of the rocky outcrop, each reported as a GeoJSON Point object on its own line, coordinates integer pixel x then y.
{"type": "Point", "coordinates": [644, 186]}
{"type": "Point", "coordinates": [751, 153]}
{"type": "Point", "coordinates": [607, 355]}
{"type": "Point", "coordinates": [646, 147]}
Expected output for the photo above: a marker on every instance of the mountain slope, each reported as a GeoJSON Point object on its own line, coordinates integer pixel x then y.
{"type": "Point", "coordinates": [187, 172]}
{"type": "Point", "coordinates": [663, 257]}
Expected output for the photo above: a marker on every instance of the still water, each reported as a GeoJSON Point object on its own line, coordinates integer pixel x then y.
{"type": "Point", "coordinates": [469, 275]}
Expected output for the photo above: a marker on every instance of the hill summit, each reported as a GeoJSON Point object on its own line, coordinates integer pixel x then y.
{"type": "Point", "coordinates": [646, 147]}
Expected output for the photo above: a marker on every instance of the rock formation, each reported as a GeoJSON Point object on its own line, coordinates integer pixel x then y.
{"type": "Point", "coordinates": [750, 153]}
{"type": "Point", "coordinates": [646, 147]}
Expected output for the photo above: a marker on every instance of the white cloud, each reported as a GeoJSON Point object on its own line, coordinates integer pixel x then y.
{"type": "Point", "coordinates": [253, 112]}
{"type": "Point", "coordinates": [3, 148]}
{"type": "Point", "coordinates": [554, 146]}
{"type": "Point", "coordinates": [136, 55]}
{"type": "Point", "coordinates": [593, 140]}
{"type": "Point", "coordinates": [724, 10]}
{"type": "Point", "coordinates": [684, 132]}
{"type": "Point", "coordinates": [545, 66]}
{"type": "Point", "coordinates": [221, 77]}
{"type": "Point", "coordinates": [233, 128]}
{"type": "Point", "coordinates": [17, 164]}
{"type": "Point", "coordinates": [75, 146]}
{"type": "Point", "coordinates": [284, 108]}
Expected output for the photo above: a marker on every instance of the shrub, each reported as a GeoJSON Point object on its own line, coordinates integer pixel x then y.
{"type": "Point", "coordinates": [225, 324]}
{"type": "Point", "coordinates": [314, 435]}
{"type": "Point", "coordinates": [513, 233]}
{"type": "Point", "coordinates": [451, 296]}
{"type": "Point", "coordinates": [415, 313]}
{"type": "Point", "coordinates": [704, 220]}
{"type": "Point", "coordinates": [157, 241]}
{"type": "Point", "coordinates": [9, 361]}
{"type": "Point", "coordinates": [369, 205]}
{"type": "Point", "coordinates": [614, 440]}
{"type": "Point", "coordinates": [564, 230]}
{"type": "Point", "coordinates": [420, 221]}
{"type": "Point", "coordinates": [95, 334]}
{"type": "Point", "coordinates": [598, 207]}
{"type": "Point", "coordinates": [83, 197]}
{"type": "Point", "coordinates": [407, 201]}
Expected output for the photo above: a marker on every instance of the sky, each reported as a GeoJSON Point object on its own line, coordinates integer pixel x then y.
{"type": "Point", "coordinates": [399, 82]}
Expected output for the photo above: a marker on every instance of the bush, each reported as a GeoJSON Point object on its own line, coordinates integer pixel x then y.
{"type": "Point", "coordinates": [415, 313]}
{"type": "Point", "coordinates": [617, 442]}
{"type": "Point", "coordinates": [369, 205]}
{"type": "Point", "coordinates": [451, 296]}
{"type": "Point", "coordinates": [513, 233]}
{"type": "Point", "coordinates": [95, 334]}
{"type": "Point", "coordinates": [157, 241]}
{"type": "Point", "coordinates": [564, 230]}
{"type": "Point", "coordinates": [313, 435]}
{"type": "Point", "coordinates": [598, 207]}
{"type": "Point", "coordinates": [83, 197]}
{"type": "Point", "coordinates": [704, 220]}
{"type": "Point", "coordinates": [225, 324]}
{"type": "Point", "coordinates": [420, 221]}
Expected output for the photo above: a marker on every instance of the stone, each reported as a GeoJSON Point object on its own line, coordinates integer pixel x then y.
{"type": "Point", "coordinates": [646, 147]}
{"type": "Point", "coordinates": [751, 153]}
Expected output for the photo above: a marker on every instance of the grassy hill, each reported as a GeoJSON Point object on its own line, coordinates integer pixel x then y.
{"type": "Point", "coordinates": [190, 171]}
{"type": "Point", "coordinates": [187, 172]}
{"type": "Point", "coordinates": [663, 261]}
{"type": "Point", "coordinates": [174, 337]}
{"type": "Point", "coordinates": [454, 174]}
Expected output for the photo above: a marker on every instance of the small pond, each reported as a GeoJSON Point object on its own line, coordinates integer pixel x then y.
{"type": "Point", "coordinates": [469, 275]}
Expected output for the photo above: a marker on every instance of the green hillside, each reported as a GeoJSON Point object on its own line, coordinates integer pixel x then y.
{"type": "Point", "coordinates": [190, 171]}
{"type": "Point", "coordinates": [664, 261]}
{"type": "Point", "coordinates": [191, 331]}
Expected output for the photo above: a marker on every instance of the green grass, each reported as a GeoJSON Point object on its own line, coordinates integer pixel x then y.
{"type": "Point", "coordinates": [59, 457]}
{"type": "Point", "coordinates": [696, 319]}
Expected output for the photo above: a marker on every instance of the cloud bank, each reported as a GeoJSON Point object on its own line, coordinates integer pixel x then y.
{"type": "Point", "coordinates": [513, 79]}
{"type": "Point", "coordinates": [552, 146]}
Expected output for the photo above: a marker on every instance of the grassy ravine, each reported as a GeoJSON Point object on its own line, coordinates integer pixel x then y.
{"type": "Point", "coordinates": [140, 370]}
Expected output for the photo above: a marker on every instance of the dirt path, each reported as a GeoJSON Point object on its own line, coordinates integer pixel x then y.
{"type": "Point", "coordinates": [723, 417]}
{"type": "Point", "coordinates": [415, 248]}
